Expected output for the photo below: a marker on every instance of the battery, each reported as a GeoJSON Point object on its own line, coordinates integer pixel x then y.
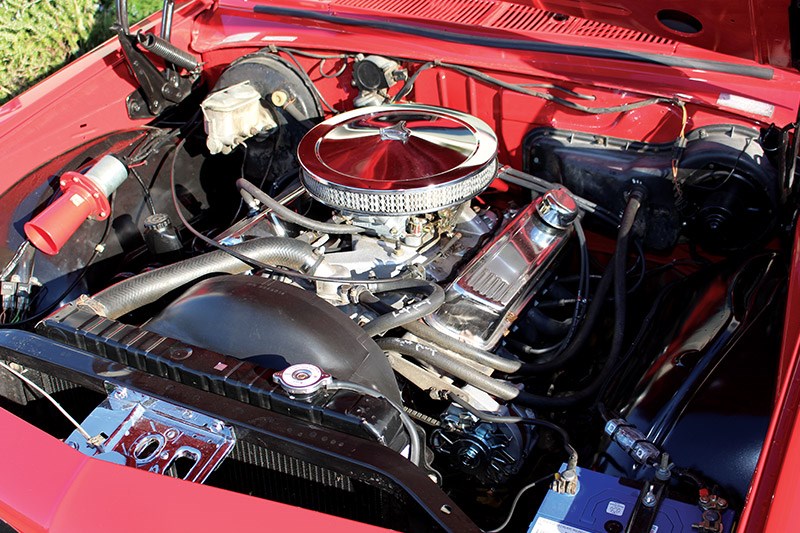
{"type": "Point", "coordinates": [603, 504]}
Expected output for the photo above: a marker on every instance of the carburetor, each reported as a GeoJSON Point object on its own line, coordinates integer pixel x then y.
{"type": "Point", "coordinates": [403, 173]}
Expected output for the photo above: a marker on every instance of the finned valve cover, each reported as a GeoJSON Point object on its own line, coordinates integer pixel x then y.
{"type": "Point", "coordinates": [398, 159]}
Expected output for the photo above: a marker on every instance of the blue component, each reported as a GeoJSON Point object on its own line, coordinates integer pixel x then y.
{"type": "Point", "coordinates": [602, 499]}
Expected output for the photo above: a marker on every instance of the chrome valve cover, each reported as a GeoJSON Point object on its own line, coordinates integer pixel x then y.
{"type": "Point", "coordinates": [485, 298]}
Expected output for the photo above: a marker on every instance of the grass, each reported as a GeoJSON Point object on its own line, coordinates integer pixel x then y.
{"type": "Point", "coordinates": [38, 37]}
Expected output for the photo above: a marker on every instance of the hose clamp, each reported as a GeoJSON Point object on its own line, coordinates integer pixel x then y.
{"type": "Point", "coordinates": [87, 301]}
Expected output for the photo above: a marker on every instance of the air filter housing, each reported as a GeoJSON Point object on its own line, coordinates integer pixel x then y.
{"type": "Point", "coordinates": [398, 159]}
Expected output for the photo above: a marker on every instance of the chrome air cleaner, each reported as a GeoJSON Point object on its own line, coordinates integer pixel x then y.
{"type": "Point", "coordinates": [398, 159]}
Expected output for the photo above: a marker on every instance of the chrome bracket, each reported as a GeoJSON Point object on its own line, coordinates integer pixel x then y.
{"type": "Point", "coordinates": [133, 429]}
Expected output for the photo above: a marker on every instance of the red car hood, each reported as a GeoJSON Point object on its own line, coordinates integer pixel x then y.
{"type": "Point", "coordinates": [756, 30]}
{"type": "Point", "coordinates": [752, 29]}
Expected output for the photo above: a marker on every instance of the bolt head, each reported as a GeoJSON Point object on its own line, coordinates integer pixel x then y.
{"type": "Point", "coordinates": [649, 499]}
{"type": "Point", "coordinates": [470, 457]}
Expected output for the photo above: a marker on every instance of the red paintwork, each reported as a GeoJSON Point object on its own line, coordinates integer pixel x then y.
{"type": "Point", "coordinates": [510, 114]}
{"type": "Point", "coordinates": [79, 103]}
{"type": "Point", "coordinates": [752, 29]}
{"type": "Point", "coordinates": [46, 485]}
{"type": "Point", "coordinates": [775, 491]}
{"type": "Point", "coordinates": [92, 91]}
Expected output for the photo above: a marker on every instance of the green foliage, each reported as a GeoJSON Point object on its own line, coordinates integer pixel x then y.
{"type": "Point", "coordinates": [39, 36]}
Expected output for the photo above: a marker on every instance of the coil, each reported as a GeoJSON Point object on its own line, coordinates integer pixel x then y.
{"type": "Point", "coordinates": [168, 51]}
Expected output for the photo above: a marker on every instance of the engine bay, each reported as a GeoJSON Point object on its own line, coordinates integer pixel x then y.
{"type": "Point", "coordinates": [560, 327]}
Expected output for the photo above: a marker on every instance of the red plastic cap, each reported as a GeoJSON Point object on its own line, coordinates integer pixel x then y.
{"type": "Point", "coordinates": [51, 229]}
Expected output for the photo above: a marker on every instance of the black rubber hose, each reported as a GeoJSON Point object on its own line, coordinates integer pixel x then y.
{"type": "Point", "coordinates": [450, 365]}
{"type": "Point", "coordinates": [137, 291]}
{"type": "Point", "coordinates": [395, 318]}
{"type": "Point", "coordinates": [397, 284]}
{"type": "Point", "coordinates": [620, 299]}
{"type": "Point", "coordinates": [583, 334]}
{"type": "Point", "coordinates": [548, 325]}
{"type": "Point", "coordinates": [290, 216]}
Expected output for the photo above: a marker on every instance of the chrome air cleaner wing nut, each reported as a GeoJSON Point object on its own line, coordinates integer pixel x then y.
{"type": "Point", "coordinates": [398, 159]}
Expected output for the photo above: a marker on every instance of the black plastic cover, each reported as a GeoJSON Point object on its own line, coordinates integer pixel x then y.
{"type": "Point", "coordinates": [275, 325]}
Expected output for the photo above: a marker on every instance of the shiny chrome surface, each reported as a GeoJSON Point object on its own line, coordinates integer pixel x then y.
{"type": "Point", "coordinates": [398, 159]}
{"type": "Point", "coordinates": [557, 208]}
{"type": "Point", "coordinates": [302, 379]}
{"type": "Point", "coordinates": [484, 300]}
{"type": "Point", "coordinates": [137, 430]}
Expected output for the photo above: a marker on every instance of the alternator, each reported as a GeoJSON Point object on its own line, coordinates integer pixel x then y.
{"type": "Point", "coordinates": [489, 452]}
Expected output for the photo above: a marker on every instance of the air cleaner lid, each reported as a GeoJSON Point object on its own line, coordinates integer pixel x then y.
{"type": "Point", "coordinates": [398, 159]}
